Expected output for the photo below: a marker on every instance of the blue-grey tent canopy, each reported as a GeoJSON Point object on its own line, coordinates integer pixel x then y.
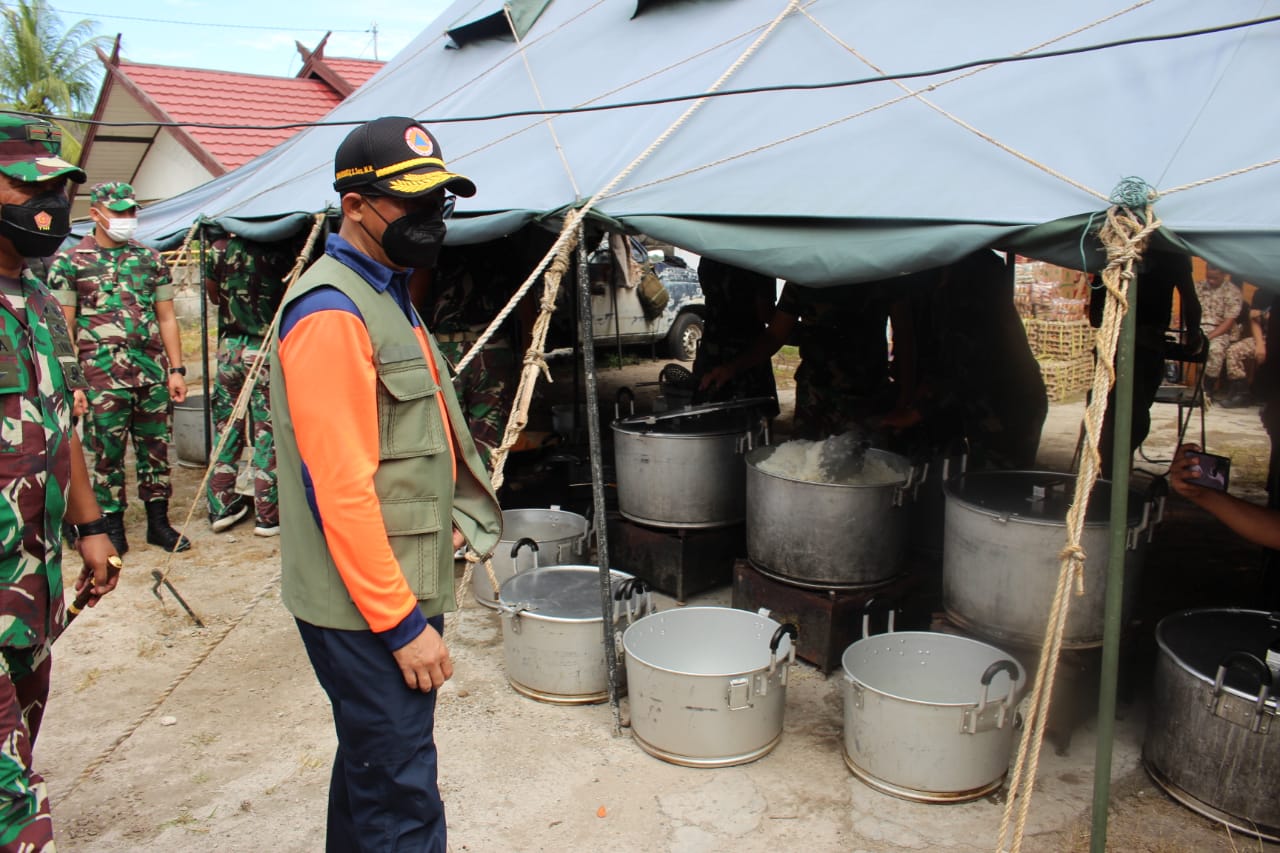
{"type": "Point", "coordinates": [826, 185]}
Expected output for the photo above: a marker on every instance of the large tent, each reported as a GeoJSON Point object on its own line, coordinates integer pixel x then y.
{"type": "Point", "coordinates": [819, 183]}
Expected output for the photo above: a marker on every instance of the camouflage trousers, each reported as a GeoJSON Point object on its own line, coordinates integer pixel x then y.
{"type": "Point", "coordinates": [115, 415]}
{"type": "Point", "coordinates": [25, 822]}
{"type": "Point", "coordinates": [1218, 353]}
{"type": "Point", "coordinates": [1240, 355]}
{"type": "Point", "coordinates": [485, 392]}
{"type": "Point", "coordinates": [236, 356]}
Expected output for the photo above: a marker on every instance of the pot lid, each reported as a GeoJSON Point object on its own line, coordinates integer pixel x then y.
{"type": "Point", "coordinates": [711, 419]}
{"type": "Point", "coordinates": [557, 592]}
{"type": "Point", "coordinates": [1043, 496]}
{"type": "Point", "coordinates": [1200, 640]}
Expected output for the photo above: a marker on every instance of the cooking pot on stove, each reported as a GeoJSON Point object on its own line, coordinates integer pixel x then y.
{"type": "Point", "coordinates": [684, 468]}
{"type": "Point", "coordinates": [1003, 533]}
{"type": "Point", "coordinates": [1213, 737]}
{"type": "Point", "coordinates": [828, 535]}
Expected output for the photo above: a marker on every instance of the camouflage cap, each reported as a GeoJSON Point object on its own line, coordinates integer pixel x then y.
{"type": "Point", "coordinates": [113, 195]}
{"type": "Point", "coordinates": [30, 149]}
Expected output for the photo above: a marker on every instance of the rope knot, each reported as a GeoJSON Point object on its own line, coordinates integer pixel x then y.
{"type": "Point", "coordinates": [1133, 193]}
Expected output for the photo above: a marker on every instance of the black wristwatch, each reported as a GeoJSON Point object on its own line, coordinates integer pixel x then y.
{"type": "Point", "coordinates": [90, 528]}
{"type": "Point", "coordinates": [181, 371]}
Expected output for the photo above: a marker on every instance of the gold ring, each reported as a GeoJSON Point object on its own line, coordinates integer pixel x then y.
{"type": "Point", "coordinates": [115, 562]}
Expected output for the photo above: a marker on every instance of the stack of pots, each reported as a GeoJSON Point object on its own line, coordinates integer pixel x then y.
{"type": "Point", "coordinates": [1213, 740]}
{"type": "Point", "coordinates": [684, 469]}
{"type": "Point", "coordinates": [553, 630]}
{"type": "Point", "coordinates": [1003, 533]}
{"type": "Point", "coordinates": [708, 685]}
{"type": "Point", "coordinates": [827, 535]}
{"type": "Point", "coordinates": [531, 537]}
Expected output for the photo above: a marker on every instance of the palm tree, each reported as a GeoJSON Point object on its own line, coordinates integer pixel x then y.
{"type": "Point", "coordinates": [45, 69]}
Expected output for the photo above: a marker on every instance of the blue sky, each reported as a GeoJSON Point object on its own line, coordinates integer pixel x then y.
{"type": "Point", "coordinates": [251, 36]}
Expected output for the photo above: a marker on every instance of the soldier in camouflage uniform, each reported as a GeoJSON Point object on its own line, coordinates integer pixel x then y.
{"type": "Point", "coordinates": [247, 283]}
{"type": "Point", "coordinates": [843, 378]}
{"type": "Point", "coordinates": [43, 477]}
{"type": "Point", "coordinates": [738, 306]}
{"type": "Point", "coordinates": [975, 374]}
{"type": "Point", "coordinates": [470, 286]}
{"type": "Point", "coordinates": [1220, 302]}
{"type": "Point", "coordinates": [118, 299]}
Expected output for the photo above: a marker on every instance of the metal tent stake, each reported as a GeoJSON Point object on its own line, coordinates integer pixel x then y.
{"type": "Point", "coordinates": [155, 590]}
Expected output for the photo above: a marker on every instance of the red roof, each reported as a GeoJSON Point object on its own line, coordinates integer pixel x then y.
{"type": "Point", "coordinates": [355, 71]}
{"type": "Point", "coordinates": [225, 97]}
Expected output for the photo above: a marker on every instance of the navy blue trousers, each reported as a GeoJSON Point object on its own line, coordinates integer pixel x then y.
{"type": "Point", "coordinates": [383, 795]}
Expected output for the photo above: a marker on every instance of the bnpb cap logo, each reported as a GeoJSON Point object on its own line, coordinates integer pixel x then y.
{"type": "Point", "coordinates": [419, 142]}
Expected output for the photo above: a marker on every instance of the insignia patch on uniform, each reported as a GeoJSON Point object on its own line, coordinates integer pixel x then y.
{"type": "Point", "coordinates": [418, 141]}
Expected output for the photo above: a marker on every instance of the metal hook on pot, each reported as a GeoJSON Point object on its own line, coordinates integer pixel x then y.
{"type": "Point", "coordinates": [791, 631]}
{"type": "Point", "coordinates": [1005, 666]}
{"type": "Point", "coordinates": [630, 395]}
{"type": "Point", "coordinates": [1243, 660]}
{"type": "Point", "coordinates": [636, 593]}
{"type": "Point", "coordinates": [868, 608]}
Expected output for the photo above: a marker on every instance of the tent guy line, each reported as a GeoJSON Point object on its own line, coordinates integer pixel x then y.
{"type": "Point", "coordinates": [752, 90]}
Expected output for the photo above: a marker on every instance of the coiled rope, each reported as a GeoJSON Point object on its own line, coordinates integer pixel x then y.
{"type": "Point", "coordinates": [1124, 234]}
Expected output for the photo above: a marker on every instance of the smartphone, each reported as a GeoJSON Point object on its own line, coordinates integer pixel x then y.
{"type": "Point", "coordinates": [1215, 471]}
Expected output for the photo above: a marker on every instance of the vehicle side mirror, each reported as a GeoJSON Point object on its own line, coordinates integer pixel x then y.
{"type": "Point", "coordinates": [657, 256]}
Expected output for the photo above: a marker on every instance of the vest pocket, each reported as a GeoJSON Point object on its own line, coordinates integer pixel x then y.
{"type": "Point", "coordinates": [408, 414]}
{"type": "Point", "coordinates": [413, 525]}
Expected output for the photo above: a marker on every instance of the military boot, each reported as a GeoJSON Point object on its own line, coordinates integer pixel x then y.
{"type": "Point", "coordinates": [1237, 395]}
{"type": "Point", "coordinates": [115, 532]}
{"type": "Point", "coordinates": [160, 531]}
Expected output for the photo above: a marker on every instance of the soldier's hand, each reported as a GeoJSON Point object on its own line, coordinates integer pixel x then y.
{"type": "Point", "coordinates": [80, 404]}
{"type": "Point", "coordinates": [98, 573]}
{"type": "Point", "coordinates": [424, 661]}
{"type": "Point", "coordinates": [458, 539]}
{"type": "Point", "coordinates": [177, 388]}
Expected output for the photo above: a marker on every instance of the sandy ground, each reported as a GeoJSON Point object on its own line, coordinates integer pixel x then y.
{"type": "Point", "coordinates": [162, 735]}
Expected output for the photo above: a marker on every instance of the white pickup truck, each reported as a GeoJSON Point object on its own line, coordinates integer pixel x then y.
{"type": "Point", "coordinates": [617, 311]}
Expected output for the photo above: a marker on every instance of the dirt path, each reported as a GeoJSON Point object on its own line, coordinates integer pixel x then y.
{"type": "Point", "coordinates": [237, 756]}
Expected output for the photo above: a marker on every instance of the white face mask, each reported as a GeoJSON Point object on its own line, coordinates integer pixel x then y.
{"type": "Point", "coordinates": [122, 229]}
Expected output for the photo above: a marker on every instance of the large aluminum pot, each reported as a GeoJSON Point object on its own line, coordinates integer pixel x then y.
{"type": "Point", "coordinates": [684, 469]}
{"type": "Point", "coordinates": [1002, 536]}
{"type": "Point", "coordinates": [532, 537]}
{"type": "Point", "coordinates": [1213, 740]}
{"type": "Point", "coordinates": [930, 717]}
{"type": "Point", "coordinates": [708, 685]}
{"type": "Point", "coordinates": [552, 631]}
{"type": "Point", "coordinates": [827, 535]}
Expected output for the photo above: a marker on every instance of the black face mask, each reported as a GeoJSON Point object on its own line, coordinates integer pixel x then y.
{"type": "Point", "coordinates": [413, 241]}
{"type": "Point", "coordinates": [38, 227]}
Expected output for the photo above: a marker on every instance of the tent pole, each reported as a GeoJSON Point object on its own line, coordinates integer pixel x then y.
{"type": "Point", "coordinates": [597, 476]}
{"type": "Point", "coordinates": [206, 416]}
{"type": "Point", "coordinates": [1121, 459]}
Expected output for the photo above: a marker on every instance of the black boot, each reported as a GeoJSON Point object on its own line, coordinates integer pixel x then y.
{"type": "Point", "coordinates": [160, 531]}
{"type": "Point", "coordinates": [115, 532]}
{"type": "Point", "coordinates": [1237, 395]}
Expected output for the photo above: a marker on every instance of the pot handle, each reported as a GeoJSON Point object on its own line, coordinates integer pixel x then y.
{"type": "Point", "coordinates": [1157, 492]}
{"type": "Point", "coordinates": [515, 549]}
{"type": "Point", "coordinates": [958, 448]}
{"type": "Point", "coordinates": [868, 609]}
{"type": "Point", "coordinates": [1242, 660]}
{"type": "Point", "coordinates": [630, 396]}
{"type": "Point", "coordinates": [1011, 669]}
{"type": "Point", "coordinates": [793, 632]}
{"type": "Point", "coordinates": [636, 592]}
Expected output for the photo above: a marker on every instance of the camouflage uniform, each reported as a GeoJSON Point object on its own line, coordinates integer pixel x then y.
{"type": "Point", "coordinates": [1216, 305]}
{"type": "Point", "coordinates": [251, 282]}
{"type": "Point", "coordinates": [114, 292]}
{"type": "Point", "coordinates": [38, 370]}
{"type": "Point", "coordinates": [843, 376]}
{"type": "Point", "coordinates": [738, 303]}
{"type": "Point", "coordinates": [469, 289]}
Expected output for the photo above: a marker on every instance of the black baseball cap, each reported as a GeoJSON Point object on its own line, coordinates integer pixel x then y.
{"type": "Point", "coordinates": [395, 156]}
